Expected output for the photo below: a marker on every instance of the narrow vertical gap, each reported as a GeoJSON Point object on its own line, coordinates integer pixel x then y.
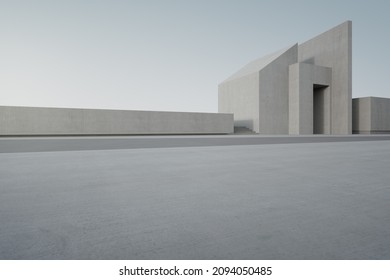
{"type": "Point", "coordinates": [319, 109]}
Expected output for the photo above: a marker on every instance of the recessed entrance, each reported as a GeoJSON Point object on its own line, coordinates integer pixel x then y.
{"type": "Point", "coordinates": [310, 99]}
{"type": "Point", "coordinates": [319, 100]}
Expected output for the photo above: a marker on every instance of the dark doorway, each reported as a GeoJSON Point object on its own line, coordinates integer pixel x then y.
{"type": "Point", "coordinates": [319, 109]}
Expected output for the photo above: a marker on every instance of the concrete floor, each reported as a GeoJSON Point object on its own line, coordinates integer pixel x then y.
{"type": "Point", "coordinates": [286, 201]}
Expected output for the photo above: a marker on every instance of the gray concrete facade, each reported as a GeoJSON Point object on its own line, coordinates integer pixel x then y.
{"type": "Point", "coordinates": [21, 121]}
{"type": "Point", "coordinates": [309, 99]}
{"type": "Point", "coordinates": [256, 93]}
{"type": "Point", "coordinates": [371, 115]}
{"type": "Point", "coordinates": [333, 49]}
{"type": "Point", "coordinates": [304, 89]}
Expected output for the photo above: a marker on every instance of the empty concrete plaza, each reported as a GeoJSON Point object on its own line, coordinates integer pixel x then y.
{"type": "Point", "coordinates": [287, 201]}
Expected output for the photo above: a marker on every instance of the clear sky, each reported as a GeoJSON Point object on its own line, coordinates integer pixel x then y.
{"type": "Point", "coordinates": [168, 55]}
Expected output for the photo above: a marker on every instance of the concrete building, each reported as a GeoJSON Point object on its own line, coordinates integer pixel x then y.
{"type": "Point", "coordinates": [371, 115]}
{"type": "Point", "coordinates": [303, 89]}
{"type": "Point", "coordinates": [25, 121]}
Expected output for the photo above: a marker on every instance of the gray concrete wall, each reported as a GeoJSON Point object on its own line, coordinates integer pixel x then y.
{"type": "Point", "coordinates": [274, 99]}
{"type": "Point", "coordinates": [65, 121]}
{"type": "Point", "coordinates": [371, 115]}
{"type": "Point", "coordinates": [334, 49]}
{"type": "Point", "coordinates": [361, 115]}
{"type": "Point", "coordinates": [380, 115]}
{"type": "Point", "coordinates": [240, 93]}
{"type": "Point", "coordinates": [241, 97]}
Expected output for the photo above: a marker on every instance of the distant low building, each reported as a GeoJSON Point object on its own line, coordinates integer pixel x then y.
{"type": "Point", "coordinates": [371, 115]}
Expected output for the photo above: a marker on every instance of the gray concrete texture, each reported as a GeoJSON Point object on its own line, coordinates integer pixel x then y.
{"type": "Point", "coordinates": [309, 99]}
{"type": "Point", "coordinates": [266, 94]}
{"type": "Point", "coordinates": [371, 115]}
{"type": "Point", "coordinates": [256, 94]}
{"type": "Point", "coordinates": [274, 94]}
{"type": "Point", "coordinates": [49, 144]}
{"type": "Point", "coordinates": [333, 49]}
{"type": "Point", "coordinates": [66, 121]}
{"type": "Point", "coordinates": [288, 201]}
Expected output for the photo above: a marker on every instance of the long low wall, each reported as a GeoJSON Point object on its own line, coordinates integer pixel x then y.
{"type": "Point", "coordinates": [15, 121]}
{"type": "Point", "coordinates": [371, 115]}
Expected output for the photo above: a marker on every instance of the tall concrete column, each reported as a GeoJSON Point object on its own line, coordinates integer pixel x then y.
{"type": "Point", "coordinates": [305, 80]}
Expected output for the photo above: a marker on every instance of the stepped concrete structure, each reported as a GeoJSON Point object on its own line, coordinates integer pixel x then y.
{"type": "Point", "coordinates": [303, 89]}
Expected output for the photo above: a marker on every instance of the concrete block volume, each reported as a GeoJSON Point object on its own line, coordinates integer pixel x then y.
{"type": "Point", "coordinates": [303, 89]}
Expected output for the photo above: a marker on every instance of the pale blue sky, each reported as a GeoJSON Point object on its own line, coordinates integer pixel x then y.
{"type": "Point", "coordinates": [168, 55]}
